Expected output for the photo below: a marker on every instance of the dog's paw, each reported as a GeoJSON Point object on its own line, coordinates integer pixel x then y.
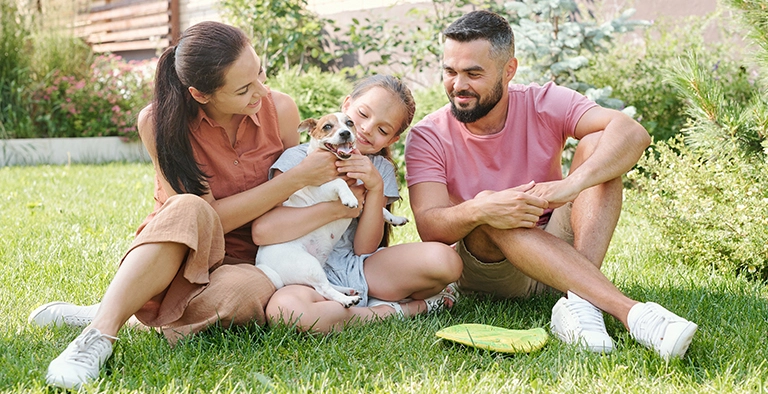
{"type": "Point", "coordinates": [397, 220]}
{"type": "Point", "coordinates": [351, 301]}
{"type": "Point", "coordinates": [394, 220]}
{"type": "Point", "coordinates": [347, 291]}
{"type": "Point", "coordinates": [349, 202]}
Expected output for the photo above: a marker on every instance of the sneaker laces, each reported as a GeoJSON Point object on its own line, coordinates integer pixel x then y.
{"type": "Point", "coordinates": [89, 347]}
{"type": "Point", "coordinates": [76, 320]}
{"type": "Point", "coordinates": [654, 325]}
{"type": "Point", "coordinates": [590, 318]}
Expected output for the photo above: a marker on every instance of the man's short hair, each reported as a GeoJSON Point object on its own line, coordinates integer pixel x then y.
{"type": "Point", "coordinates": [484, 25]}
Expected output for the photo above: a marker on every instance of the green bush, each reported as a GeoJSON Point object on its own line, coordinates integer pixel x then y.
{"type": "Point", "coordinates": [59, 50]}
{"type": "Point", "coordinates": [293, 36]}
{"type": "Point", "coordinates": [638, 73]}
{"type": "Point", "coordinates": [429, 100]}
{"type": "Point", "coordinates": [14, 71]}
{"type": "Point", "coordinates": [710, 212]}
{"type": "Point", "coordinates": [53, 85]}
{"type": "Point", "coordinates": [316, 93]}
{"type": "Point", "coordinates": [704, 190]}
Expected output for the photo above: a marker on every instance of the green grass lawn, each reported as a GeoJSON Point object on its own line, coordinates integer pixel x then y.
{"type": "Point", "coordinates": [63, 228]}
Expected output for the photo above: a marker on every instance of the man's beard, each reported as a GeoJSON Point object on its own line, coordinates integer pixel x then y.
{"type": "Point", "coordinates": [482, 108]}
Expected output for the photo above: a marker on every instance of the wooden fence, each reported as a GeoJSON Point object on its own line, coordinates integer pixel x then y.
{"type": "Point", "coordinates": [129, 25]}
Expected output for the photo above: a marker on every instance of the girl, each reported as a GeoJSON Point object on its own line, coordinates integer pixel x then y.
{"type": "Point", "coordinates": [212, 131]}
{"type": "Point", "coordinates": [381, 108]}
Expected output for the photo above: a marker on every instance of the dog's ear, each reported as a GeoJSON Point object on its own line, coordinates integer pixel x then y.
{"type": "Point", "coordinates": [306, 125]}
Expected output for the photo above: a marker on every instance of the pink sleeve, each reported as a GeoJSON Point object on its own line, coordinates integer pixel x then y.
{"type": "Point", "coordinates": [424, 155]}
{"type": "Point", "coordinates": [552, 100]}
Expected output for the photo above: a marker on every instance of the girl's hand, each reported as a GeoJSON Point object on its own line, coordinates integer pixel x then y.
{"type": "Point", "coordinates": [351, 213]}
{"type": "Point", "coordinates": [361, 168]}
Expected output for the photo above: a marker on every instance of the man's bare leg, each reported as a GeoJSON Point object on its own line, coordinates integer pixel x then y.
{"type": "Point", "coordinates": [596, 210]}
{"type": "Point", "coordinates": [552, 261]}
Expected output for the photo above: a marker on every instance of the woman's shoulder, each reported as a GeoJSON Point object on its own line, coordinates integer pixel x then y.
{"type": "Point", "coordinates": [146, 128]}
{"type": "Point", "coordinates": [283, 102]}
{"type": "Point", "coordinates": [288, 117]}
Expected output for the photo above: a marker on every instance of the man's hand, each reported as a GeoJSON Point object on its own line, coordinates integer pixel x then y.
{"type": "Point", "coordinates": [511, 208]}
{"type": "Point", "coordinates": [557, 193]}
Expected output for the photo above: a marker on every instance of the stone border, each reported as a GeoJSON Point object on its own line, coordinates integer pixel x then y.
{"type": "Point", "coordinates": [85, 150]}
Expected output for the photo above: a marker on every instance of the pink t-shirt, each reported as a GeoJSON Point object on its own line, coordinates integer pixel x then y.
{"type": "Point", "coordinates": [540, 119]}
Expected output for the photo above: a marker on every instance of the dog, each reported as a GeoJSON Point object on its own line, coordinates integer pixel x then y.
{"type": "Point", "coordinates": [301, 261]}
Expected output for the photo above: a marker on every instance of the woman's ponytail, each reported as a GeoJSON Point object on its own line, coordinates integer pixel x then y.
{"type": "Point", "coordinates": [173, 110]}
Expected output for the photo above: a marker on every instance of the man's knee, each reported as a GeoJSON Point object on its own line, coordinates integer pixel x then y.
{"type": "Point", "coordinates": [585, 148]}
{"type": "Point", "coordinates": [479, 243]}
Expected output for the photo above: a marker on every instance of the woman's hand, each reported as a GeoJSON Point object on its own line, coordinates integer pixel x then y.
{"type": "Point", "coordinates": [317, 168]}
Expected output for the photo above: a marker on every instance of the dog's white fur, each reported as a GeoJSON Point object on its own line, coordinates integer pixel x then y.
{"type": "Point", "coordinates": [301, 261]}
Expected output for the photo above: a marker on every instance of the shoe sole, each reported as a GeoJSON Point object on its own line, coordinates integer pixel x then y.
{"type": "Point", "coordinates": [683, 341]}
{"type": "Point", "coordinates": [42, 308]}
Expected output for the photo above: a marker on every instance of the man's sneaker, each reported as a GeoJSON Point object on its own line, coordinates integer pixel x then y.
{"type": "Point", "coordinates": [576, 321]}
{"type": "Point", "coordinates": [63, 313]}
{"type": "Point", "coordinates": [81, 361]}
{"type": "Point", "coordinates": [657, 328]}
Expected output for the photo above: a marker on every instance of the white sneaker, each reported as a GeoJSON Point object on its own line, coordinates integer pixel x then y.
{"type": "Point", "coordinates": [59, 313]}
{"type": "Point", "coordinates": [576, 321]}
{"type": "Point", "coordinates": [657, 328]}
{"type": "Point", "coordinates": [81, 361]}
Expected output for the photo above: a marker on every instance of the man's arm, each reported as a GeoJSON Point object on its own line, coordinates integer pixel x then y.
{"type": "Point", "coordinates": [617, 143]}
{"type": "Point", "coordinates": [620, 146]}
{"type": "Point", "coordinates": [439, 220]}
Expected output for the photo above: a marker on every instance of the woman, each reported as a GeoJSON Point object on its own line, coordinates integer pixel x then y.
{"type": "Point", "coordinates": [212, 131]}
{"type": "Point", "coordinates": [381, 108]}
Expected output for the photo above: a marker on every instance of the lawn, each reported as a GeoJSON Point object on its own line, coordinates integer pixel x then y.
{"type": "Point", "coordinates": [63, 228]}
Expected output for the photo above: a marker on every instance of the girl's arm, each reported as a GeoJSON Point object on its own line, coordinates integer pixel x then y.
{"type": "Point", "coordinates": [283, 224]}
{"type": "Point", "coordinates": [370, 227]}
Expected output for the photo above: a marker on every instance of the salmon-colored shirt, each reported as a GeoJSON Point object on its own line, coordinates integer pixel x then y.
{"type": "Point", "coordinates": [233, 169]}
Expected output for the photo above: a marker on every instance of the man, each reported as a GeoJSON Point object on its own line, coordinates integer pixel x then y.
{"type": "Point", "coordinates": [484, 172]}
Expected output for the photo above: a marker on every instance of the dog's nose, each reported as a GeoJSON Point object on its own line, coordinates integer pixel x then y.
{"type": "Point", "coordinates": [345, 134]}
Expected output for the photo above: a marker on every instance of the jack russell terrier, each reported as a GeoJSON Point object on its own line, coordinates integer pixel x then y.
{"type": "Point", "coordinates": [301, 261]}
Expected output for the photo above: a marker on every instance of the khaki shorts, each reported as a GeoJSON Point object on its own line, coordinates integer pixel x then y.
{"type": "Point", "coordinates": [502, 279]}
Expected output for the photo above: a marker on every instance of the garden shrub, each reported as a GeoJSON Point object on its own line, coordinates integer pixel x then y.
{"type": "Point", "coordinates": [638, 73]}
{"type": "Point", "coordinates": [316, 93]}
{"type": "Point", "coordinates": [704, 190]}
{"type": "Point", "coordinates": [710, 212]}
{"type": "Point", "coordinates": [103, 103]}
{"type": "Point", "coordinates": [59, 50]}
{"type": "Point", "coordinates": [14, 71]}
